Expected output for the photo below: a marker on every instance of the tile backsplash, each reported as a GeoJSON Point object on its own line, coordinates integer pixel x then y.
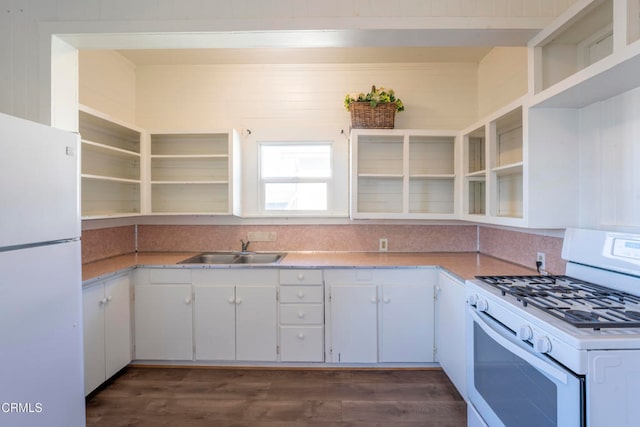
{"type": "Point", "coordinates": [359, 238]}
{"type": "Point", "coordinates": [107, 242]}
{"type": "Point", "coordinates": [513, 246]}
{"type": "Point", "coordinates": [521, 248]}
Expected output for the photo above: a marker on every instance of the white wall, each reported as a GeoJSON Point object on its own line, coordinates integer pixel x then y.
{"type": "Point", "coordinates": [436, 95]}
{"type": "Point", "coordinates": [26, 28]}
{"type": "Point", "coordinates": [502, 78]}
{"type": "Point", "coordinates": [609, 163]}
{"type": "Point", "coordinates": [108, 84]}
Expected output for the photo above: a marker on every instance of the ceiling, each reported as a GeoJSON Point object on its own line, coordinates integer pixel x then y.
{"type": "Point", "coordinates": [306, 55]}
{"type": "Point", "coordinates": [305, 46]}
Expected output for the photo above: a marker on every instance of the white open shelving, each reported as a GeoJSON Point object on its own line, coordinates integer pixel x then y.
{"type": "Point", "coordinates": [590, 53]}
{"type": "Point", "coordinates": [111, 159]}
{"type": "Point", "coordinates": [192, 172]}
{"type": "Point", "coordinates": [403, 173]}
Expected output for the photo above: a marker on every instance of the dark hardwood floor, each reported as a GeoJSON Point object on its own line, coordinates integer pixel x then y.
{"type": "Point", "coordinates": [185, 397]}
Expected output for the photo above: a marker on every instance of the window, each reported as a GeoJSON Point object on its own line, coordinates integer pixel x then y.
{"type": "Point", "coordinates": [295, 176]}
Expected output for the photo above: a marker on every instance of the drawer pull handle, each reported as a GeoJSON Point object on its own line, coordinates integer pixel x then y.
{"type": "Point", "coordinates": [300, 336]}
{"type": "Point", "coordinates": [301, 315]}
{"type": "Point", "coordinates": [300, 294]}
{"type": "Point", "coordinates": [300, 276]}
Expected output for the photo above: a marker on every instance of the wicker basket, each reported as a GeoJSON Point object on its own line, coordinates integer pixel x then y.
{"type": "Point", "coordinates": [364, 116]}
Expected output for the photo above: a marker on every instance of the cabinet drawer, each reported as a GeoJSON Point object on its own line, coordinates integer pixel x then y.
{"type": "Point", "coordinates": [301, 294]}
{"type": "Point", "coordinates": [301, 344]}
{"type": "Point", "coordinates": [301, 277]}
{"type": "Point", "coordinates": [301, 314]}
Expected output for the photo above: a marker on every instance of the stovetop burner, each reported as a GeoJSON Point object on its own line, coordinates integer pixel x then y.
{"type": "Point", "coordinates": [580, 303]}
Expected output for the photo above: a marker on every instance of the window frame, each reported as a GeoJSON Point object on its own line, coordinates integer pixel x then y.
{"type": "Point", "coordinates": [329, 181]}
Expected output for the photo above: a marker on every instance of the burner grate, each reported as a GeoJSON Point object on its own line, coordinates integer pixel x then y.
{"type": "Point", "coordinates": [580, 303]}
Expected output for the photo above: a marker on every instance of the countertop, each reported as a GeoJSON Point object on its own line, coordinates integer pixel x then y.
{"type": "Point", "coordinates": [465, 265]}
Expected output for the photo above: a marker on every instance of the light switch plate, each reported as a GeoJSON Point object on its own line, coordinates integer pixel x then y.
{"type": "Point", "coordinates": [262, 236]}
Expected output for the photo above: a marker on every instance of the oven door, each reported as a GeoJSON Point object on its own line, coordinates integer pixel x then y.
{"type": "Point", "coordinates": [511, 385]}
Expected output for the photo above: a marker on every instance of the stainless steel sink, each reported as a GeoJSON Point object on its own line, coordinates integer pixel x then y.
{"type": "Point", "coordinates": [235, 258]}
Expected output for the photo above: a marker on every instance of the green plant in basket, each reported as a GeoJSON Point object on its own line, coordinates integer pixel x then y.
{"type": "Point", "coordinates": [375, 97]}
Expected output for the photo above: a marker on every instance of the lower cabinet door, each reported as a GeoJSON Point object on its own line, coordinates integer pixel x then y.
{"type": "Point", "coordinates": [164, 322]}
{"type": "Point", "coordinates": [406, 333]}
{"type": "Point", "coordinates": [215, 322]}
{"type": "Point", "coordinates": [117, 329]}
{"type": "Point", "coordinates": [93, 328]}
{"type": "Point", "coordinates": [301, 344]}
{"type": "Point", "coordinates": [354, 325]}
{"type": "Point", "coordinates": [256, 323]}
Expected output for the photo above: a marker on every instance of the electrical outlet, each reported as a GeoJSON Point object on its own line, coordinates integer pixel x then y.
{"type": "Point", "coordinates": [383, 244]}
{"type": "Point", "coordinates": [541, 259]}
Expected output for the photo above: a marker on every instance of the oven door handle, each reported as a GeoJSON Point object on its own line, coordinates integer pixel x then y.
{"type": "Point", "coordinates": [543, 366]}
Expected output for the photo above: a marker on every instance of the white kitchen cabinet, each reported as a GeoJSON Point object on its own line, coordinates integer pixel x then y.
{"type": "Point", "coordinates": [107, 329]}
{"type": "Point", "coordinates": [384, 315]}
{"type": "Point", "coordinates": [235, 315]}
{"type": "Point", "coordinates": [111, 157]}
{"type": "Point", "coordinates": [450, 330]}
{"type": "Point", "coordinates": [354, 319]}
{"type": "Point", "coordinates": [301, 315]}
{"type": "Point", "coordinates": [193, 173]}
{"type": "Point", "coordinates": [163, 314]}
{"type": "Point", "coordinates": [520, 168]}
{"type": "Point", "coordinates": [403, 174]}
{"type": "Point", "coordinates": [588, 54]}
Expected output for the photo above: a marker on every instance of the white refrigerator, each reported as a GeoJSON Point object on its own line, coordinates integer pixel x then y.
{"type": "Point", "coordinates": [41, 352]}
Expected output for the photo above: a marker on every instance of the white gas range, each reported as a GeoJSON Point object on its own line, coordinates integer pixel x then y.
{"type": "Point", "coordinates": [559, 350]}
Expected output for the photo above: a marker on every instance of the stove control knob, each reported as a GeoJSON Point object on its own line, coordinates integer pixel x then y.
{"type": "Point", "coordinates": [542, 345]}
{"type": "Point", "coordinates": [525, 333]}
{"type": "Point", "coordinates": [473, 299]}
{"type": "Point", "coordinates": [482, 304]}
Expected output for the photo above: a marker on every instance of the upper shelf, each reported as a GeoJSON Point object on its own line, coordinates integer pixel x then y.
{"type": "Point", "coordinates": [588, 54]}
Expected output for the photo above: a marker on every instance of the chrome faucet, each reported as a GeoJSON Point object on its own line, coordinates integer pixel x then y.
{"type": "Point", "coordinates": [245, 245]}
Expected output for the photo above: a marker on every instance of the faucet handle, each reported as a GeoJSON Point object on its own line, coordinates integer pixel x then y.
{"type": "Point", "coordinates": [245, 245]}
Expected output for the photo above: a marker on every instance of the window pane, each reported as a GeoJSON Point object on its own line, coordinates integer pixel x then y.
{"type": "Point", "coordinates": [295, 161]}
{"type": "Point", "coordinates": [295, 197]}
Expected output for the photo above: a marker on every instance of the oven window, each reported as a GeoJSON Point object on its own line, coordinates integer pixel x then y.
{"type": "Point", "coordinates": [518, 393]}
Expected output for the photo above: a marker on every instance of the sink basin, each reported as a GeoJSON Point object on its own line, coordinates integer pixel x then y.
{"type": "Point", "coordinates": [235, 258]}
{"type": "Point", "coordinates": [262, 258]}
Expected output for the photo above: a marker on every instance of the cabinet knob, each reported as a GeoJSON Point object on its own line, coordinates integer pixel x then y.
{"type": "Point", "coordinates": [238, 301]}
{"type": "Point", "coordinates": [374, 300]}
{"type": "Point", "coordinates": [300, 276]}
{"type": "Point", "coordinates": [109, 298]}
{"type": "Point", "coordinates": [103, 301]}
{"type": "Point", "coordinates": [300, 315]}
{"type": "Point", "coordinates": [231, 300]}
{"type": "Point", "coordinates": [300, 294]}
{"type": "Point", "coordinates": [300, 336]}
{"type": "Point", "coordinates": [187, 301]}
{"type": "Point", "coordinates": [387, 300]}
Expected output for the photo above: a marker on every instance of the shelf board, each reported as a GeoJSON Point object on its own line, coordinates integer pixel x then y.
{"type": "Point", "coordinates": [508, 169]}
{"type": "Point", "coordinates": [380, 175]}
{"type": "Point", "coordinates": [189, 156]}
{"type": "Point", "coordinates": [110, 150]}
{"type": "Point", "coordinates": [188, 182]}
{"type": "Point", "coordinates": [604, 79]}
{"type": "Point", "coordinates": [433, 176]}
{"type": "Point", "coordinates": [481, 173]}
{"type": "Point", "coordinates": [110, 178]}
{"type": "Point", "coordinates": [105, 215]}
